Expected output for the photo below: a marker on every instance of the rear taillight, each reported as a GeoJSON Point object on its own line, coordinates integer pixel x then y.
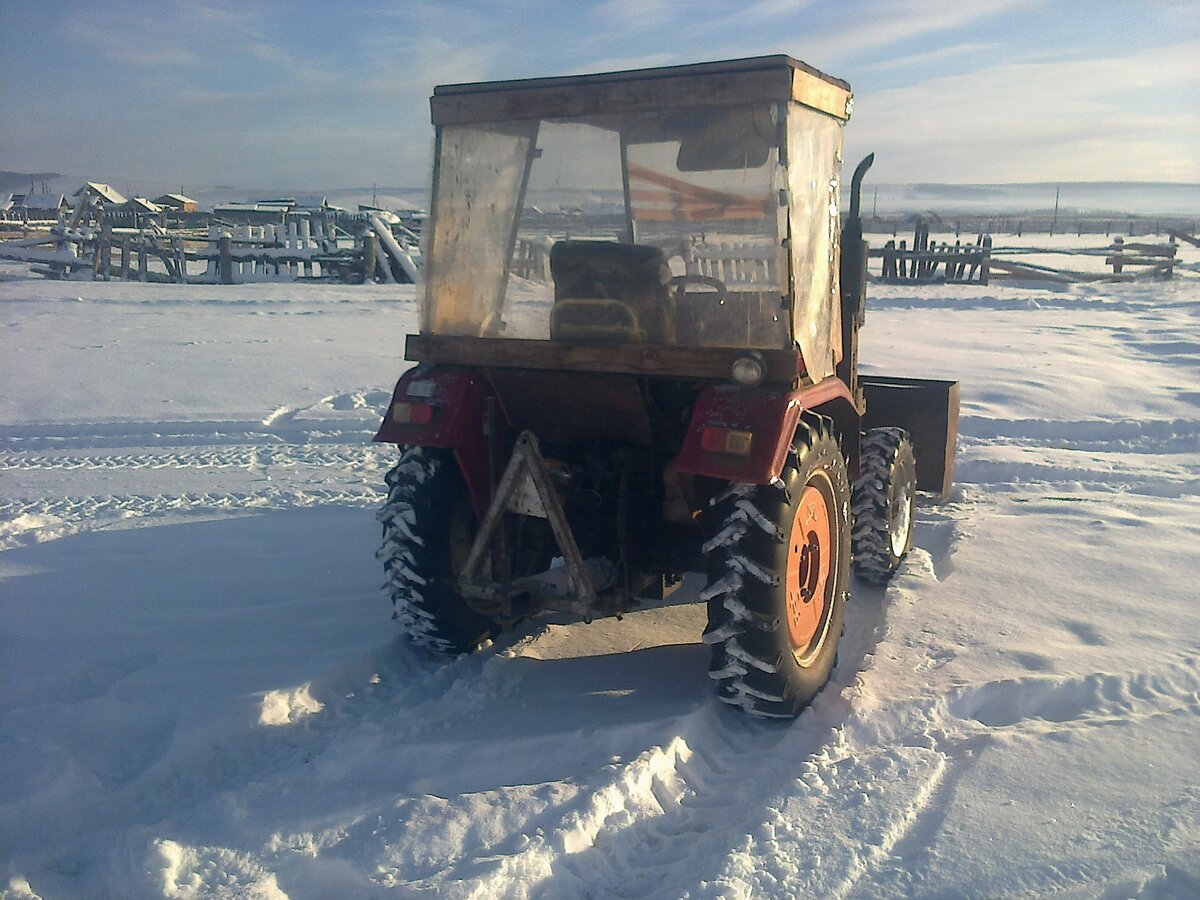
{"type": "Point", "coordinates": [412, 413]}
{"type": "Point", "coordinates": [726, 440]}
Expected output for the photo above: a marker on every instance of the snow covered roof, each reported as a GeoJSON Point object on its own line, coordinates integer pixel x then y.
{"type": "Point", "coordinates": [105, 192]}
{"type": "Point", "coordinates": [141, 204]}
{"type": "Point", "coordinates": [300, 201]}
{"type": "Point", "coordinates": [385, 215]}
{"type": "Point", "coordinates": [260, 206]}
{"type": "Point", "coordinates": [44, 201]}
{"type": "Point", "coordinates": [175, 201]}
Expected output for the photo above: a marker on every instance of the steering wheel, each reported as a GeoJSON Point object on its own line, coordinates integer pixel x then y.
{"type": "Point", "coordinates": [679, 284]}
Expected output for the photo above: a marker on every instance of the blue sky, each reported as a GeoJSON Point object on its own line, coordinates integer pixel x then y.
{"type": "Point", "coordinates": [322, 95]}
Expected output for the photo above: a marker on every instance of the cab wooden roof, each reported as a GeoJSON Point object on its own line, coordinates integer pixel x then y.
{"type": "Point", "coordinates": [727, 83]}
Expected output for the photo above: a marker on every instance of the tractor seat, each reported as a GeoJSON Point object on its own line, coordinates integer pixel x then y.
{"type": "Point", "coordinates": [611, 293]}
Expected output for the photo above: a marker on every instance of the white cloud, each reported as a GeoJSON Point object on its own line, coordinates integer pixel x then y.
{"type": "Point", "coordinates": [920, 60]}
{"type": "Point", "coordinates": [886, 23]}
{"type": "Point", "coordinates": [1129, 117]}
{"type": "Point", "coordinates": [636, 15]}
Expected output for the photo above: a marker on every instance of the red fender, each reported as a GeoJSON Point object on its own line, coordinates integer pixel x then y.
{"type": "Point", "coordinates": [456, 399]}
{"type": "Point", "coordinates": [770, 416]}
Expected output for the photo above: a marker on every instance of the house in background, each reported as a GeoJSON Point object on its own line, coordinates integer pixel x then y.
{"type": "Point", "coordinates": [141, 206]}
{"type": "Point", "coordinates": [177, 203]}
{"type": "Point", "coordinates": [133, 213]}
{"type": "Point", "coordinates": [107, 194]}
{"type": "Point", "coordinates": [265, 212]}
{"type": "Point", "coordinates": [34, 207]}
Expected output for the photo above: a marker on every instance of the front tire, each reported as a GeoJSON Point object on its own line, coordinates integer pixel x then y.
{"type": "Point", "coordinates": [779, 571]}
{"type": "Point", "coordinates": [883, 501]}
{"type": "Point", "coordinates": [428, 526]}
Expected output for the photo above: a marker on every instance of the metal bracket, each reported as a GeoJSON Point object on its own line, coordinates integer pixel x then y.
{"type": "Point", "coordinates": [525, 488]}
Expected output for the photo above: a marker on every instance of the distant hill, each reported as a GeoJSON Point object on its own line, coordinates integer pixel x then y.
{"type": "Point", "coordinates": [1086, 197]}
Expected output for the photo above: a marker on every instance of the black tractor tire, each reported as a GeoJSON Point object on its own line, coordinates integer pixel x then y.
{"type": "Point", "coordinates": [883, 502]}
{"type": "Point", "coordinates": [779, 575]}
{"type": "Point", "coordinates": [428, 526]}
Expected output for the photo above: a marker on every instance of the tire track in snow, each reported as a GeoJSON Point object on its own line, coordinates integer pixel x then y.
{"type": "Point", "coordinates": [853, 806]}
{"type": "Point", "coordinates": [910, 762]}
{"type": "Point", "coordinates": [961, 728]}
{"type": "Point", "coordinates": [661, 822]}
{"type": "Point", "coordinates": [1092, 453]}
{"type": "Point", "coordinates": [1048, 701]}
{"type": "Point", "coordinates": [641, 826]}
{"type": "Point", "coordinates": [225, 457]}
{"type": "Point", "coordinates": [345, 417]}
{"type": "Point", "coordinates": [1105, 476]}
{"type": "Point", "coordinates": [332, 437]}
{"type": "Point", "coordinates": [24, 522]}
{"type": "Point", "coordinates": [1152, 436]}
{"type": "Point", "coordinates": [665, 817]}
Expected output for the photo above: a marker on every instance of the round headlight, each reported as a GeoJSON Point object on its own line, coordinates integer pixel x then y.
{"type": "Point", "coordinates": [747, 370]}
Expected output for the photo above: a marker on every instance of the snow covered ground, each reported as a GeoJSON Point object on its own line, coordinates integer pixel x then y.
{"type": "Point", "coordinates": [203, 695]}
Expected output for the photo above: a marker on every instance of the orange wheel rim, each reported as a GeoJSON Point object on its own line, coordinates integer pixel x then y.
{"type": "Point", "coordinates": [810, 557]}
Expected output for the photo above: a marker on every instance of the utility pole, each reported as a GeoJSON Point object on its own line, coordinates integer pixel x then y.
{"type": "Point", "coordinates": [1054, 224]}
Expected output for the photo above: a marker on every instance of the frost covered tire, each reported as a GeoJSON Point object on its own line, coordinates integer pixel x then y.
{"type": "Point", "coordinates": [427, 530]}
{"type": "Point", "coordinates": [882, 501]}
{"type": "Point", "coordinates": [779, 571]}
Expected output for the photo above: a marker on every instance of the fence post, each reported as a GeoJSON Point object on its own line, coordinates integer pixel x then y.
{"type": "Point", "coordinates": [306, 245]}
{"type": "Point", "coordinates": [125, 258]}
{"type": "Point", "coordinates": [106, 249]}
{"type": "Point", "coordinates": [370, 251]}
{"type": "Point", "coordinates": [985, 260]}
{"type": "Point", "coordinates": [225, 258]}
{"type": "Point", "coordinates": [141, 257]}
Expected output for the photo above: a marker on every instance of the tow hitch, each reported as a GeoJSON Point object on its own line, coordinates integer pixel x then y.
{"type": "Point", "coordinates": [581, 586]}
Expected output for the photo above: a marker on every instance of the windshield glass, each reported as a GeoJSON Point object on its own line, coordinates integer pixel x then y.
{"type": "Point", "coordinates": [660, 228]}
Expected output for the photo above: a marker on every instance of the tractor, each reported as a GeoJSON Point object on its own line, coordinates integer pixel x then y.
{"type": "Point", "coordinates": [637, 358]}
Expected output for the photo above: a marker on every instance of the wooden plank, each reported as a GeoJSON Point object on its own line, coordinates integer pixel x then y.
{"type": "Point", "coordinates": [818, 94]}
{"type": "Point", "coordinates": [734, 82]}
{"type": "Point", "coordinates": [744, 64]}
{"type": "Point", "coordinates": [1149, 249]}
{"type": "Point", "coordinates": [1130, 260]}
{"type": "Point", "coordinates": [609, 98]}
{"type": "Point", "coordinates": [710, 363]}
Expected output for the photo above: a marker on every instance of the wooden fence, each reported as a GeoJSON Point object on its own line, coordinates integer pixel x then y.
{"type": "Point", "coordinates": [927, 262]}
{"type": "Point", "coordinates": [741, 266]}
{"type": "Point", "coordinates": [289, 251]}
{"type": "Point", "coordinates": [1145, 262]}
{"type": "Point", "coordinates": [1031, 223]}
